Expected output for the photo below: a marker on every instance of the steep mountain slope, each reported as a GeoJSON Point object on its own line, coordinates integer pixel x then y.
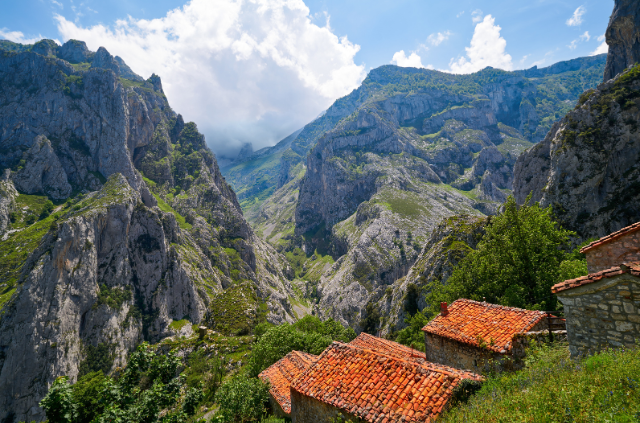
{"type": "Point", "coordinates": [623, 38]}
{"type": "Point", "coordinates": [587, 166]}
{"type": "Point", "coordinates": [145, 237]}
{"type": "Point", "coordinates": [536, 98]}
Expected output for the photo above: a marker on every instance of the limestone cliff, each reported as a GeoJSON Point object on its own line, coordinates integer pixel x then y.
{"type": "Point", "coordinates": [623, 37]}
{"type": "Point", "coordinates": [115, 222]}
{"type": "Point", "coordinates": [587, 166]}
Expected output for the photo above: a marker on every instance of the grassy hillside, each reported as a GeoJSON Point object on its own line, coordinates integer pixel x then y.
{"type": "Point", "coordinates": [554, 388]}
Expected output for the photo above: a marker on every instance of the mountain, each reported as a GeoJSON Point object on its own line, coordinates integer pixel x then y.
{"type": "Point", "coordinates": [116, 225]}
{"type": "Point", "coordinates": [544, 96]}
{"type": "Point", "coordinates": [587, 166]}
{"type": "Point", "coordinates": [413, 147]}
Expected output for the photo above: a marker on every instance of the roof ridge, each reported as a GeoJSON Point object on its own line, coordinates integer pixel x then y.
{"type": "Point", "coordinates": [492, 305]}
{"type": "Point", "coordinates": [631, 268]}
{"type": "Point", "coordinates": [612, 236]}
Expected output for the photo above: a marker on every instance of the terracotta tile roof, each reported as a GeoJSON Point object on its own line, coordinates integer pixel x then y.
{"type": "Point", "coordinates": [624, 231]}
{"type": "Point", "coordinates": [281, 374]}
{"type": "Point", "coordinates": [402, 352]}
{"type": "Point", "coordinates": [469, 320]}
{"type": "Point", "coordinates": [376, 387]}
{"type": "Point", "coordinates": [384, 346]}
{"type": "Point", "coordinates": [630, 268]}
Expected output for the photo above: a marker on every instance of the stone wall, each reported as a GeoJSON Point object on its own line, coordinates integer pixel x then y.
{"type": "Point", "coordinates": [602, 314]}
{"type": "Point", "coordinates": [305, 409]}
{"type": "Point", "coordinates": [276, 409]}
{"type": "Point", "coordinates": [613, 253]}
{"type": "Point", "coordinates": [456, 354]}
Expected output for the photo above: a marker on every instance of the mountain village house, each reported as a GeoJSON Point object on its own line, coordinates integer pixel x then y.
{"type": "Point", "coordinates": [372, 379]}
{"type": "Point", "coordinates": [477, 335]}
{"type": "Point", "coordinates": [603, 308]}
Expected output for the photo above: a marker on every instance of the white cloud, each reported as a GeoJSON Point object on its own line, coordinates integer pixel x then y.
{"type": "Point", "coordinates": [602, 48]}
{"type": "Point", "coordinates": [585, 36]}
{"type": "Point", "coordinates": [601, 38]}
{"type": "Point", "coordinates": [57, 3]}
{"type": "Point", "coordinates": [460, 14]}
{"type": "Point", "coordinates": [253, 70]}
{"type": "Point", "coordinates": [18, 37]}
{"type": "Point", "coordinates": [401, 59]}
{"type": "Point", "coordinates": [539, 62]}
{"type": "Point", "coordinates": [438, 38]}
{"type": "Point", "coordinates": [476, 16]}
{"type": "Point", "coordinates": [576, 18]}
{"type": "Point", "coordinates": [524, 59]}
{"type": "Point", "coordinates": [573, 44]}
{"type": "Point", "coordinates": [487, 49]}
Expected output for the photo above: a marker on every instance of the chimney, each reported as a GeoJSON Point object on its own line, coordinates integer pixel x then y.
{"type": "Point", "coordinates": [444, 310]}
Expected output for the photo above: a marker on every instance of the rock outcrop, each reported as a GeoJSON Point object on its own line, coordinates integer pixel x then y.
{"type": "Point", "coordinates": [449, 243]}
{"type": "Point", "coordinates": [587, 166]}
{"type": "Point", "coordinates": [150, 232]}
{"type": "Point", "coordinates": [623, 38]}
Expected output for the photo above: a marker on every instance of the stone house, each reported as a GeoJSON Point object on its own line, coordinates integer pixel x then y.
{"type": "Point", "coordinates": [280, 375]}
{"type": "Point", "coordinates": [479, 336]}
{"type": "Point", "coordinates": [368, 380]}
{"type": "Point", "coordinates": [602, 309]}
{"type": "Point", "coordinates": [365, 385]}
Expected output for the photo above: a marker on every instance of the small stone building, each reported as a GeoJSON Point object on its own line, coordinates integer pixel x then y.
{"type": "Point", "coordinates": [478, 336]}
{"type": "Point", "coordinates": [365, 385]}
{"type": "Point", "coordinates": [280, 375]}
{"type": "Point", "coordinates": [602, 309]}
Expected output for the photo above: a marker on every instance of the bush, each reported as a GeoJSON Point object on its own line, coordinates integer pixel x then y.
{"type": "Point", "coordinates": [59, 404]}
{"type": "Point", "coordinates": [242, 400]}
{"type": "Point", "coordinates": [47, 208]}
{"type": "Point", "coordinates": [309, 335]}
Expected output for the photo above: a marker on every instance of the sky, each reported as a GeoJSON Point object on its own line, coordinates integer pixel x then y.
{"type": "Point", "coordinates": [257, 70]}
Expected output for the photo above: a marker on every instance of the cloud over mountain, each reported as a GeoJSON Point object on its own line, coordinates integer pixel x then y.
{"type": "Point", "coordinates": [487, 49]}
{"type": "Point", "coordinates": [250, 70]}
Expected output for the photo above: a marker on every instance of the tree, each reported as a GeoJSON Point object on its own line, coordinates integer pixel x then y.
{"type": "Point", "coordinates": [59, 404]}
{"type": "Point", "coordinates": [309, 334]}
{"type": "Point", "coordinates": [515, 264]}
{"type": "Point", "coordinates": [242, 400]}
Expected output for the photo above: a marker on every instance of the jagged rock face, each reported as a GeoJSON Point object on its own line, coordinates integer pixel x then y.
{"type": "Point", "coordinates": [42, 172]}
{"type": "Point", "coordinates": [449, 243]}
{"type": "Point", "coordinates": [8, 195]}
{"type": "Point", "coordinates": [112, 242]}
{"type": "Point", "coordinates": [587, 166]}
{"type": "Point", "coordinates": [119, 262]}
{"type": "Point", "coordinates": [623, 37]}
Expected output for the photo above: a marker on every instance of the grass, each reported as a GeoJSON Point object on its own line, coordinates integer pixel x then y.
{"type": "Point", "coordinates": [168, 209]}
{"type": "Point", "coordinates": [178, 324]}
{"type": "Point", "coordinates": [554, 388]}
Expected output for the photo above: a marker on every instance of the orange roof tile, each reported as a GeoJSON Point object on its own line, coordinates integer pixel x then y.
{"type": "Point", "coordinates": [377, 387]}
{"type": "Point", "coordinates": [402, 352]}
{"type": "Point", "coordinates": [624, 231]}
{"type": "Point", "coordinates": [630, 268]}
{"type": "Point", "coordinates": [282, 373]}
{"type": "Point", "coordinates": [469, 320]}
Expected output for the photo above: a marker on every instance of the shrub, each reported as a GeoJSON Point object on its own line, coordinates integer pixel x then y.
{"type": "Point", "coordinates": [242, 400]}
{"type": "Point", "coordinates": [58, 404]}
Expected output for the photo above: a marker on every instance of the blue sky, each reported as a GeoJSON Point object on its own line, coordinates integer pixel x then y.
{"type": "Point", "coordinates": [256, 70]}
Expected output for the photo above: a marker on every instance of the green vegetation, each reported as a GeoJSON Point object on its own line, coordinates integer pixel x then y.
{"type": "Point", "coordinates": [113, 297]}
{"type": "Point", "coordinates": [178, 324]}
{"type": "Point", "coordinates": [515, 264]}
{"type": "Point", "coordinates": [168, 209]}
{"type": "Point", "coordinates": [97, 358]}
{"type": "Point", "coordinates": [149, 389]}
{"type": "Point", "coordinates": [553, 388]}
{"type": "Point", "coordinates": [236, 310]}
{"type": "Point", "coordinates": [242, 400]}
{"type": "Point", "coordinates": [308, 334]}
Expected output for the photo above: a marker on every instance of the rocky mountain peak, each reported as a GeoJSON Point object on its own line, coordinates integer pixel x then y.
{"type": "Point", "coordinates": [623, 37]}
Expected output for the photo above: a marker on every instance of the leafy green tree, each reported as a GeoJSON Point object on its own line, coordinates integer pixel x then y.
{"type": "Point", "coordinates": [242, 400]}
{"type": "Point", "coordinates": [309, 334]}
{"type": "Point", "coordinates": [515, 264]}
{"type": "Point", "coordinates": [412, 335]}
{"type": "Point", "coordinates": [46, 209]}
{"type": "Point", "coordinates": [86, 394]}
{"type": "Point", "coordinates": [59, 404]}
